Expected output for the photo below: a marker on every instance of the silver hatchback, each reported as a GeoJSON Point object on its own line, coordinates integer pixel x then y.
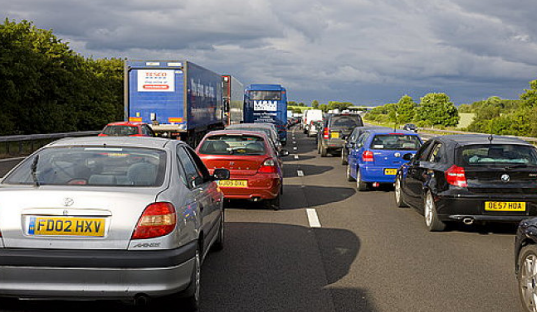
{"type": "Point", "coordinates": [108, 218]}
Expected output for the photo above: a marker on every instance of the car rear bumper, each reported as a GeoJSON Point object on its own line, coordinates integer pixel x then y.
{"type": "Point", "coordinates": [266, 188]}
{"type": "Point", "coordinates": [376, 174]}
{"type": "Point", "coordinates": [94, 274]}
{"type": "Point", "coordinates": [457, 207]}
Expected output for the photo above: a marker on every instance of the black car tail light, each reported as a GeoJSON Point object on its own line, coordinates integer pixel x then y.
{"type": "Point", "coordinates": [456, 176]}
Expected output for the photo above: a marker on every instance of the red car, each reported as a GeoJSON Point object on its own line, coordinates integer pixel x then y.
{"type": "Point", "coordinates": [126, 128]}
{"type": "Point", "coordinates": [254, 165]}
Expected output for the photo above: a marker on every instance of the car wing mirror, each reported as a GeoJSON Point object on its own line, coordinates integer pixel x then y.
{"type": "Point", "coordinates": [283, 153]}
{"type": "Point", "coordinates": [408, 156]}
{"type": "Point", "coordinates": [221, 174]}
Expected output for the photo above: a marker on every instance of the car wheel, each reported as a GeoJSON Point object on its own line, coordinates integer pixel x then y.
{"type": "Point", "coordinates": [348, 173]}
{"type": "Point", "coordinates": [324, 151]}
{"type": "Point", "coordinates": [360, 185]}
{"type": "Point", "coordinates": [273, 203]}
{"type": "Point", "coordinates": [343, 157]}
{"type": "Point", "coordinates": [431, 217]}
{"type": "Point", "coordinates": [192, 293]}
{"type": "Point", "coordinates": [219, 243]}
{"type": "Point", "coordinates": [527, 277]}
{"type": "Point", "coordinates": [398, 193]}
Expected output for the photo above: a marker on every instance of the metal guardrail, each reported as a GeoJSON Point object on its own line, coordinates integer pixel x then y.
{"type": "Point", "coordinates": [22, 145]}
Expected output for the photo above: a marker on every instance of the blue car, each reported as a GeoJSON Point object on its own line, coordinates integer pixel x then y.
{"type": "Point", "coordinates": [377, 155]}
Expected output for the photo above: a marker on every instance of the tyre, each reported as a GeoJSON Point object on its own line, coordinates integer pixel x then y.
{"type": "Point", "coordinates": [360, 185]}
{"type": "Point", "coordinates": [219, 243]}
{"type": "Point", "coordinates": [398, 193]}
{"type": "Point", "coordinates": [527, 277]}
{"type": "Point", "coordinates": [324, 151]}
{"type": "Point", "coordinates": [273, 203]}
{"type": "Point", "coordinates": [431, 217]}
{"type": "Point", "coordinates": [191, 296]}
{"type": "Point", "coordinates": [343, 157]}
{"type": "Point", "coordinates": [348, 174]}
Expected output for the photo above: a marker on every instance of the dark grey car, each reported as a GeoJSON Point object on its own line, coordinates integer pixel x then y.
{"type": "Point", "coordinates": [335, 129]}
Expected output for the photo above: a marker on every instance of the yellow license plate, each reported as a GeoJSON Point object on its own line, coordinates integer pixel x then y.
{"type": "Point", "coordinates": [66, 226]}
{"type": "Point", "coordinates": [505, 206]}
{"type": "Point", "coordinates": [334, 135]}
{"type": "Point", "coordinates": [390, 171]}
{"type": "Point", "coordinates": [233, 183]}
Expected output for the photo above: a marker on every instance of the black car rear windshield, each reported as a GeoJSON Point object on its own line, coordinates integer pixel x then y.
{"type": "Point", "coordinates": [346, 121]}
{"type": "Point", "coordinates": [233, 145]}
{"type": "Point", "coordinates": [395, 142]}
{"type": "Point", "coordinates": [498, 154]}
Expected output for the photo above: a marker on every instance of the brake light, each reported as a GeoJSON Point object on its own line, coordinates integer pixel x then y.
{"type": "Point", "coordinates": [368, 156]}
{"type": "Point", "coordinates": [268, 166]}
{"type": "Point", "coordinates": [326, 133]}
{"type": "Point", "coordinates": [455, 175]}
{"type": "Point", "coordinates": [158, 219]}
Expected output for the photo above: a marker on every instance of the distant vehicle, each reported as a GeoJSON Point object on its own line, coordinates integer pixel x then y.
{"type": "Point", "coordinates": [233, 97]}
{"type": "Point", "coordinates": [267, 103]}
{"type": "Point", "coordinates": [410, 127]}
{"type": "Point", "coordinates": [351, 140]}
{"type": "Point", "coordinates": [179, 99]}
{"type": "Point", "coordinates": [526, 263]}
{"type": "Point", "coordinates": [309, 116]}
{"type": "Point", "coordinates": [378, 154]}
{"type": "Point", "coordinates": [109, 218]}
{"type": "Point", "coordinates": [125, 128]}
{"type": "Point", "coordinates": [470, 178]}
{"type": "Point", "coordinates": [336, 127]}
{"type": "Point", "coordinates": [256, 172]}
{"type": "Point", "coordinates": [267, 128]}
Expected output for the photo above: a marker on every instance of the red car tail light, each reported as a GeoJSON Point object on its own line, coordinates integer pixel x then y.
{"type": "Point", "coordinates": [368, 156]}
{"type": "Point", "coordinates": [158, 219]}
{"type": "Point", "coordinates": [455, 175]}
{"type": "Point", "coordinates": [326, 133]}
{"type": "Point", "coordinates": [268, 166]}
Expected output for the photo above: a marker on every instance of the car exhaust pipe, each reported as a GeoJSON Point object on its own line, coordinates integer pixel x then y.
{"type": "Point", "coordinates": [468, 221]}
{"type": "Point", "coordinates": [141, 300]}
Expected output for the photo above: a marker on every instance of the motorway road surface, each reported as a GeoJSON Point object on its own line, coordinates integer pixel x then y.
{"type": "Point", "coordinates": [331, 248]}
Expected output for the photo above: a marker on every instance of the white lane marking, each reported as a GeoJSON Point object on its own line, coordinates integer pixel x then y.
{"type": "Point", "coordinates": [295, 148]}
{"type": "Point", "coordinates": [294, 142]}
{"type": "Point", "coordinates": [300, 173]}
{"type": "Point", "coordinates": [313, 218]}
{"type": "Point", "coordinates": [296, 156]}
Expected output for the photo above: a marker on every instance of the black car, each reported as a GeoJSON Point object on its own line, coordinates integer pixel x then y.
{"type": "Point", "coordinates": [350, 141]}
{"type": "Point", "coordinates": [526, 263]}
{"type": "Point", "coordinates": [410, 127]}
{"type": "Point", "coordinates": [336, 127]}
{"type": "Point", "coordinates": [468, 178]}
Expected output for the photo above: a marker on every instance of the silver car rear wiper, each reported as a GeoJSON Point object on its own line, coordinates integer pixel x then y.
{"type": "Point", "coordinates": [34, 170]}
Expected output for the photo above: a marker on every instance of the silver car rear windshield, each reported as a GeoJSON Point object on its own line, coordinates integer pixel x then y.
{"type": "Point", "coordinates": [498, 155]}
{"type": "Point", "coordinates": [92, 166]}
{"type": "Point", "coordinates": [233, 145]}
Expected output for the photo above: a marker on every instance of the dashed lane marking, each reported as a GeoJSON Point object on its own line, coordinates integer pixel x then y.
{"type": "Point", "coordinates": [300, 173]}
{"type": "Point", "coordinates": [313, 218]}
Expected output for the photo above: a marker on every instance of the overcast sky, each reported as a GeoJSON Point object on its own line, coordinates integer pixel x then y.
{"type": "Point", "coordinates": [369, 52]}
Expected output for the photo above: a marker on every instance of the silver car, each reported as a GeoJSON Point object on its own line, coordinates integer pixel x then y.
{"type": "Point", "coordinates": [109, 218]}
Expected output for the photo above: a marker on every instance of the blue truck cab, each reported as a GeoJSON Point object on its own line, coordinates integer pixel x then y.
{"type": "Point", "coordinates": [267, 103]}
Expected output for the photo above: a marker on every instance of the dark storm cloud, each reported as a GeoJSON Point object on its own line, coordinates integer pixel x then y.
{"type": "Point", "coordinates": [364, 51]}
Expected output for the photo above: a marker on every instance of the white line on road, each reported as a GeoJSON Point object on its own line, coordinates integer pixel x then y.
{"type": "Point", "coordinates": [313, 218]}
{"type": "Point", "coordinates": [295, 147]}
{"type": "Point", "coordinates": [296, 156]}
{"type": "Point", "coordinates": [300, 173]}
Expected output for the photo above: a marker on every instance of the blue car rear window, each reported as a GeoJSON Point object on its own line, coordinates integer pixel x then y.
{"type": "Point", "coordinates": [395, 142]}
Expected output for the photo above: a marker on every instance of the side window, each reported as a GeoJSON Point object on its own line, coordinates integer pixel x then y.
{"type": "Point", "coordinates": [423, 151]}
{"type": "Point", "coordinates": [353, 136]}
{"type": "Point", "coordinates": [191, 175]}
{"type": "Point", "coordinates": [202, 169]}
{"type": "Point", "coordinates": [361, 139]}
{"type": "Point", "coordinates": [436, 154]}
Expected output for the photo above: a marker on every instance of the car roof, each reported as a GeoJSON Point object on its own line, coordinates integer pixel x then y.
{"type": "Point", "coordinates": [387, 130]}
{"type": "Point", "coordinates": [251, 125]}
{"type": "Point", "coordinates": [148, 142]}
{"type": "Point", "coordinates": [468, 139]}
{"type": "Point", "coordinates": [236, 132]}
{"type": "Point", "coordinates": [125, 123]}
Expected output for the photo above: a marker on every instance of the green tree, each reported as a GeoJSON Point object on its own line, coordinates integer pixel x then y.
{"type": "Point", "coordinates": [315, 104]}
{"type": "Point", "coordinates": [437, 109]}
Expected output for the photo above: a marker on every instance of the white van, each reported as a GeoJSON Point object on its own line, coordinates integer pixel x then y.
{"type": "Point", "coordinates": [309, 117]}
